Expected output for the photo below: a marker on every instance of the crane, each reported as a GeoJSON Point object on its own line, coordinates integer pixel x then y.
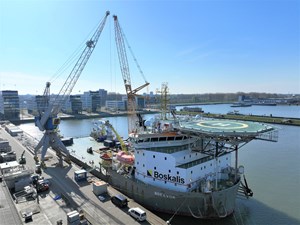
{"type": "Point", "coordinates": [123, 146]}
{"type": "Point", "coordinates": [48, 121]}
{"type": "Point", "coordinates": [131, 93]}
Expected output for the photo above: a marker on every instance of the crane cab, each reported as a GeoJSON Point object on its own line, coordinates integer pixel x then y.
{"type": "Point", "coordinates": [51, 124]}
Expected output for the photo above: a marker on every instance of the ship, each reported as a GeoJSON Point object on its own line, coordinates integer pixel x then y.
{"type": "Point", "coordinates": [183, 166]}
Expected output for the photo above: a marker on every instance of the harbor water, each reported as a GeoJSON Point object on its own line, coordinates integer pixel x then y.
{"type": "Point", "coordinates": [272, 168]}
{"type": "Point", "coordinates": [289, 111]}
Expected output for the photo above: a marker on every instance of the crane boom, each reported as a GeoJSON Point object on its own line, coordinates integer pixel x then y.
{"type": "Point", "coordinates": [123, 146]}
{"type": "Point", "coordinates": [131, 94]}
{"type": "Point", "coordinates": [69, 84]}
{"type": "Point", "coordinates": [48, 121]}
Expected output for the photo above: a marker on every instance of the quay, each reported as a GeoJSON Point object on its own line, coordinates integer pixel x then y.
{"type": "Point", "coordinates": [47, 208]}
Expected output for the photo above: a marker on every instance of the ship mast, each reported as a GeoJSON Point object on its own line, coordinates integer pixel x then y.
{"type": "Point", "coordinates": [164, 99]}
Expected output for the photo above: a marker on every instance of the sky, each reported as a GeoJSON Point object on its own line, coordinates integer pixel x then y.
{"type": "Point", "coordinates": [199, 46]}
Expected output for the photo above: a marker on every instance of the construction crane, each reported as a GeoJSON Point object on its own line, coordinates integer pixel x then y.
{"type": "Point", "coordinates": [131, 93]}
{"type": "Point", "coordinates": [123, 146]}
{"type": "Point", "coordinates": [48, 121]}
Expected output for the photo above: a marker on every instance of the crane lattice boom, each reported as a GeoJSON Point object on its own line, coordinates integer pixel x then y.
{"type": "Point", "coordinates": [47, 121]}
{"type": "Point", "coordinates": [69, 84]}
{"type": "Point", "coordinates": [131, 94]}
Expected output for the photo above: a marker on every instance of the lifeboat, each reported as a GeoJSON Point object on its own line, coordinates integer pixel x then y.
{"type": "Point", "coordinates": [106, 157]}
{"type": "Point", "coordinates": [123, 157]}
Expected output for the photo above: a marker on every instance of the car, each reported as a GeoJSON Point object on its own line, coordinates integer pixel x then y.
{"type": "Point", "coordinates": [119, 200]}
{"type": "Point", "coordinates": [42, 187]}
{"type": "Point", "coordinates": [138, 214]}
{"type": "Point", "coordinates": [38, 169]}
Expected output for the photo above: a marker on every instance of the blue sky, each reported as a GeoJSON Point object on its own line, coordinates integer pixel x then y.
{"type": "Point", "coordinates": [195, 46]}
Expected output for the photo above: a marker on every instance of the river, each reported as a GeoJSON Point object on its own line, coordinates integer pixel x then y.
{"type": "Point", "coordinates": [272, 168]}
{"type": "Point", "coordinates": [289, 111]}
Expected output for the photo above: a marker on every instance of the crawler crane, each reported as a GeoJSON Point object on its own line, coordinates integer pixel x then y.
{"type": "Point", "coordinates": [131, 93]}
{"type": "Point", "coordinates": [48, 121]}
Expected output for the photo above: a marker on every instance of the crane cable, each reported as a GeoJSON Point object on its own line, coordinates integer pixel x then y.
{"type": "Point", "coordinates": [73, 57]}
{"type": "Point", "coordinates": [133, 56]}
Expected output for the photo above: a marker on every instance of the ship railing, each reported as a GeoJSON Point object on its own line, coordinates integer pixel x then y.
{"type": "Point", "coordinates": [269, 136]}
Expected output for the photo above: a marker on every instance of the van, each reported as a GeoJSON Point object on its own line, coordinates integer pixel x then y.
{"type": "Point", "coordinates": [119, 200]}
{"type": "Point", "coordinates": [138, 214]}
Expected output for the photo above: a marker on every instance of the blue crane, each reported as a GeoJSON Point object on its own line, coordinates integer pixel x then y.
{"type": "Point", "coordinates": [48, 121]}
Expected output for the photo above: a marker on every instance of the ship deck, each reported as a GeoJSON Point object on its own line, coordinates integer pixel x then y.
{"type": "Point", "coordinates": [225, 127]}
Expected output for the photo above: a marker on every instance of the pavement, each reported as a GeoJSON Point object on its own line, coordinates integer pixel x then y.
{"type": "Point", "coordinates": [73, 196]}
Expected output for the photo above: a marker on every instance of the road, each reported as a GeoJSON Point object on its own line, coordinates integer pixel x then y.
{"type": "Point", "coordinates": [75, 195]}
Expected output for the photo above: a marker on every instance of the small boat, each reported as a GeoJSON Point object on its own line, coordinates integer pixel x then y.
{"type": "Point", "coordinates": [241, 104]}
{"type": "Point", "coordinates": [90, 150]}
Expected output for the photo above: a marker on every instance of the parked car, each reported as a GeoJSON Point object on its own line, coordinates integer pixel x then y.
{"type": "Point", "coordinates": [119, 200]}
{"type": "Point", "coordinates": [38, 169]}
{"type": "Point", "coordinates": [138, 214]}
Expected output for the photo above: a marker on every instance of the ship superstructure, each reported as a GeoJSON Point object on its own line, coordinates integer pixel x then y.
{"type": "Point", "coordinates": [184, 166]}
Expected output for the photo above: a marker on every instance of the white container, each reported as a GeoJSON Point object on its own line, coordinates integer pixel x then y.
{"type": "Point", "coordinates": [73, 217]}
{"type": "Point", "coordinates": [99, 187]}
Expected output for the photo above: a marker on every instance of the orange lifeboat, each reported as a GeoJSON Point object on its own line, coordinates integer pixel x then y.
{"type": "Point", "coordinates": [125, 158]}
{"type": "Point", "coordinates": [106, 157]}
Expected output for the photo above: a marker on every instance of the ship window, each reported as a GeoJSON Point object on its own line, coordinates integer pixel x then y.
{"type": "Point", "coordinates": [184, 157]}
{"type": "Point", "coordinates": [165, 182]}
{"type": "Point", "coordinates": [137, 163]}
{"type": "Point", "coordinates": [219, 161]}
{"type": "Point", "coordinates": [169, 171]}
{"type": "Point", "coordinates": [162, 139]}
{"type": "Point", "coordinates": [143, 165]}
{"type": "Point", "coordinates": [191, 171]}
{"type": "Point", "coordinates": [211, 164]}
{"type": "Point", "coordinates": [170, 138]}
{"type": "Point", "coordinates": [146, 140]}
{"type": "Point", "coordinates": [178, 138]}
{"type": "Point", "coordinates": [153, 156]}
{"type": "Point", "coordinates": [190, 156]}
{"type": "Point", "coordinates": [201, 168]}
{"type": "Point", "coordinates": [204, 167]}
{"type": "Point", "coordinates": [153, 179]}
{"type": "Point", "coordinates": [177, 172]}
{"type": "Point", "coordinates": [175, 184]}
{"type": "Point", "coordinates": [154, 139]}
{"type": "Point", "coordinates": [155, 167]}
{"type": "Point", "coordinates": [143, 154]}
{"type": "Point", "coordinates": [165, 158]}
{"type": "Point", "coordinates": [226, 158]}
